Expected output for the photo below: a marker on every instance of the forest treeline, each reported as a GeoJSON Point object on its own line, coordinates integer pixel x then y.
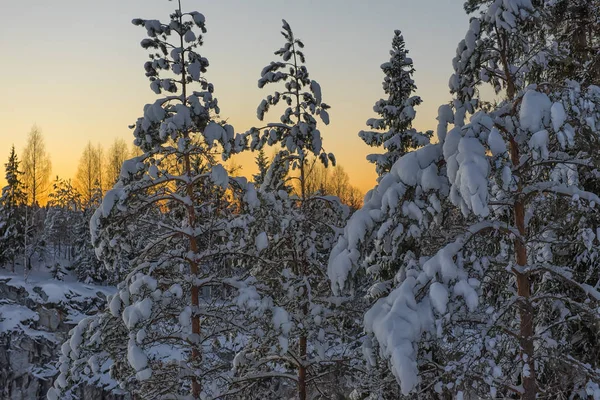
{"type": "Point", "coordinates": [99, 169]}
{"type": "Point", "coordinates": [47, 219]}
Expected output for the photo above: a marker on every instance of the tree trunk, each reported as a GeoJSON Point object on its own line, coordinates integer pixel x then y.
{"type": "Point", "coordinates": [191, 217]}
{"type": "Point", "coordinates": [526, 311]}
{"type": "Point", "coordinates": [302, 370]}
{"type": "Point", "coordinates": [302, 367]}
{"type": "Point", "coordinates": [196, 355]}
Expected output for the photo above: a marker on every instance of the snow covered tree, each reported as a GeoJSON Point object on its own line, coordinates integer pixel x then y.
{"type": "Point", "coordinates": [495, 287]}
{"type": "Point", "coordinates": [64, 206]}
{"type": "Point", "coordinates": [297, 131]}
{"type": "Point", "coordinates": [399, 222]}
{"type": "Point", "coordinates": [87, 266]}
{"type": "Point", "coordinates": [507, 46]}
{"type": "Point", "coordinates": [12, 212]}
{"type": "Point", "coordinates": [301, 346]}
{"type": "Point", "coordinates": [221, 291]}
{"type": "Point", "coordinates": [57, 271]}
{"type": "Point", "coordinates": [393, 128]}
{"type": "Point", "coordinates": [164, 338]}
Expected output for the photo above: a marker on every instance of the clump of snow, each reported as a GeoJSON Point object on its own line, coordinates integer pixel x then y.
{"type": "Point", "coordinates": [438, 293]}
{"type": "Point", "coordinates": [558, 115]}
{"type": "Point", "coordinates": [398, 321]}
{"type": "Point", "coordinates": [468, 170]}
{"type": "Point", "coordinates": [136, 356]}
{"type": "Point", "coordinates": [539, 143]}
{"type": "Point", "coordinates": [212, 132]}
{"type": "Point", "coordinates": [316, 89]}
{"type": "Point", "coordinates": [535, 111]}
{"type": "Point", "coordinates": [462, 288]}
{"type": "Point", "coordinates": [445, 117]}
{"type": "Point", "coordinates": [496, 143]}
{"type": "Point", "coordinates": [261, 242]}
{"type": "Point", "coordinates": [219, 176]}
{"type": "Point", "coordinates": [115, 305]}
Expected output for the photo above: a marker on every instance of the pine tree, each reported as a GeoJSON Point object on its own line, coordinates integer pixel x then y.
{"type": "Point", "coordinates": [297, 131]}
{"type": "Point", "coordinates": [394, 129]}
{"type": "Point", "coordinates": [496, 283]}
{"type": "Point", "coordinates": [12, 221]}
{"type": "Point", "coordinates": [401, 219]}
{"type": "Point", "coordinates": [574, 24]}
{"type": "Point", "coordinates": [164, 338]}
{"type": "Point", "coordinates": [301, 345]}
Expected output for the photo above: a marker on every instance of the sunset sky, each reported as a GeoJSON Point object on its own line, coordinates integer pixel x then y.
{"type": "Point", "coordinates": [74, 67]}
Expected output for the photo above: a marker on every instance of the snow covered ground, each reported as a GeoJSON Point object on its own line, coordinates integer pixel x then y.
{"type": "Point", "coordinates": [36, 314]}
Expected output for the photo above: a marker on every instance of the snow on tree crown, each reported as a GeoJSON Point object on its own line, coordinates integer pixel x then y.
{"type": "Point", "coordinates": [504, 47]}
{"type": "Point", "coordinates": [297, 131]}
{"type": "Point", "coordinates": [174, 117]}
{"type": "Point", "coordinates": [396, 113]}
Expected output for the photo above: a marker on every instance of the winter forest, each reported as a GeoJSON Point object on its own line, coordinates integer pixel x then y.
{"type": "Point", "coordinates": [470, 271]}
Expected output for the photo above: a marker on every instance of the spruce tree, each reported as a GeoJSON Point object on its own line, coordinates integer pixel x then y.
{"type": "Point", "coordinates": [12, 212]}
{"type": "Point", "coordinates": [393, 128]}
{"type": "Point", "coordinates": [263, 165]}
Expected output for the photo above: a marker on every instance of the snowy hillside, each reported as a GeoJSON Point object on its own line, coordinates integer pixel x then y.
{"type": "Point", "coordinates": [36, 315]}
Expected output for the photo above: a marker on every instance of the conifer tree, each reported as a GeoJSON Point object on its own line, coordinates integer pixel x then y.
{"type": "Point", "coordinates": [297, 132]}
{"type": "Point", "coordinates": [301, 347]}
{"type": "Point", "coordinates": [12, 218]}
{"type": "Point", "coordinates": [263, 165]}
{"type": "Point", "coordinates": [162, 336]}
{"type": "Point", "coordinates": [496, 288]}
{"type": "Point", "coordinates": [393, 128]}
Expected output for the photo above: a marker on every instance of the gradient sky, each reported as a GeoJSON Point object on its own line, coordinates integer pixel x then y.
{"type": "Point", "coordinates": [75, 67]}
